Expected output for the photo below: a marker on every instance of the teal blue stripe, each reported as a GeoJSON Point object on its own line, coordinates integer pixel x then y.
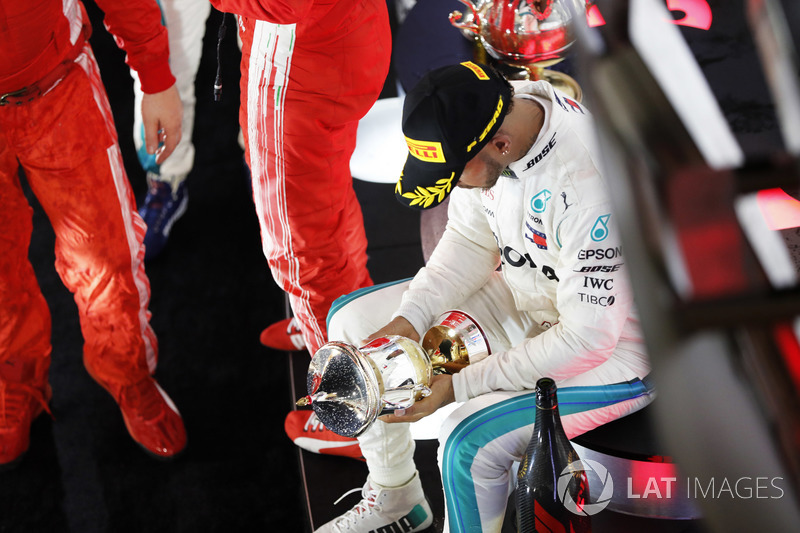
{"type": "Point", "coordinates": [480, 428]}
{"type": "Point", "coordinates": [341, 301]}
{"type": "Point", "coordinates": [417, 516]}
{"type": "Point", "coordinates": [148, 161]}
{"type": "Point", "coordinates": [163, 17]}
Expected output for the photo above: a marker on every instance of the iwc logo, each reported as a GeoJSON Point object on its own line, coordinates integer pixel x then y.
{"type": "Point", "coordinates": [567, 475]}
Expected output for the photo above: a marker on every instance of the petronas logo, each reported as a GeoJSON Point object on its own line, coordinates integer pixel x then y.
{"type": "Point", "coordinates": [600, 229]}
{"type": "Point", "coordinates": [539, 202]}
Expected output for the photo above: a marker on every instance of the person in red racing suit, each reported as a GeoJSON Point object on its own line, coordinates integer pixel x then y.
{"type": "Point", "coordinates": [310, 70]}
{"type": "Point", "coordinates": [56, 126]}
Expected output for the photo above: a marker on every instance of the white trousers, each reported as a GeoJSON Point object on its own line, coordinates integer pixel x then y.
{"type": "Point", "coordinates": [186, 25]}
{"type": "Point", "coordinates": [481, 439]}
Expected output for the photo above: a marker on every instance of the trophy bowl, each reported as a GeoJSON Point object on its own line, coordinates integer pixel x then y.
{"type": "Point", "coordinates": [349, 387]}
{"type": "Point", "coordinates": [530, 35]}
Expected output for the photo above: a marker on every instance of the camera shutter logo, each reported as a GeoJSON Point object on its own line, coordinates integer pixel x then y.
{"type": "Point", "coordinates": [587, 466]}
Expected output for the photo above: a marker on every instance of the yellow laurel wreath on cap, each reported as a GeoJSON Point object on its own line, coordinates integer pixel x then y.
{"type": "Point", "coordinates": [425, 196]}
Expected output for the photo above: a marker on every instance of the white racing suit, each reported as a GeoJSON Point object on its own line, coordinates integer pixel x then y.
{"type": "Point", "coordinates": [185, 21]}
{"type": "Point", "coordinates": [561, 306]}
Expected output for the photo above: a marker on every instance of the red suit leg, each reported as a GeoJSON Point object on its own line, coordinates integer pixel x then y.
{"type": "Point", "coordinates": [304, 88]}
{"type": "Point", "coordinates": [66, 143]}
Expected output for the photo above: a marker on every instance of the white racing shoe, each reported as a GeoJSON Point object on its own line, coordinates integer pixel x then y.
{"type": "Point", "coordinates": [398, 509]}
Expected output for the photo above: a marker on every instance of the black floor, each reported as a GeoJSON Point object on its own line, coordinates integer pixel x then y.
{"type": "Point", "coordinates": [211, 296]}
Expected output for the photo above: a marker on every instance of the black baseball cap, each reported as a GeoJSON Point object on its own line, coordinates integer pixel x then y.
{"type": "Point", "coordinates": [448, 117]}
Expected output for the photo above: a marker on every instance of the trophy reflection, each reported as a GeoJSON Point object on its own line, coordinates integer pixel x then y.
{"type": "Point", "coordinates": [349, 387]}
{"type": "Point", "coordinates": [528, 35]}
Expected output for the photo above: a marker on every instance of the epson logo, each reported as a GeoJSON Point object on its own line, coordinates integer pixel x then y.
{"type": "Point", "coordinates": [544, 152]}
{"type": "Point", "coordinates": [600, 268]}
{"type": "Point", "coordinates": [600, 253]}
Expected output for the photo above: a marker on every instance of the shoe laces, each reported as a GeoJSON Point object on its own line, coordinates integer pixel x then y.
{"type": "Point", "coordinates": [15, 399]}
{"type": "Point", "coordinates": [365, 507]}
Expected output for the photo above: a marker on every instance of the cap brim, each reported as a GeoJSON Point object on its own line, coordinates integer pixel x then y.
{"type": "Point", "coordinates": [425, 185]}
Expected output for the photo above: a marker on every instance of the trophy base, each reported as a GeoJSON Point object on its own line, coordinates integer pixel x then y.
{"type": "Point", "coordinates": [561, 81]}
{"type": "Point", "coordinates": [539, 70]}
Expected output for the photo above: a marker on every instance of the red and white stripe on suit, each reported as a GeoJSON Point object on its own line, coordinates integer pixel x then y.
{"type": "Point", "coordinates": [65, 142]}
{"type": "Point", "coordinates": [310, 71]}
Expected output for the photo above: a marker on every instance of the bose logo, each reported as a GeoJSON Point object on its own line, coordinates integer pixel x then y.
{"type": "Point", "coordinates": [543, 153]}
{"type": "Point", "coordinates": [600, 268]}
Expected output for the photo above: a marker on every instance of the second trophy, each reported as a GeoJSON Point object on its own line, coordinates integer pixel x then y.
{"type": "Point", "coordinates": [350, 387]}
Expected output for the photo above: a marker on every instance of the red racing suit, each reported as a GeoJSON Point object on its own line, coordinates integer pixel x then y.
{"type": "Point", "coordinates": [56, 125]}
{"type": "Point", "coordinates": [310, 71]}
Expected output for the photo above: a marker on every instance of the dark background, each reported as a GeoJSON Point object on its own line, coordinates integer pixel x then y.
{"type": "Point", "coordinates": [212, 294]}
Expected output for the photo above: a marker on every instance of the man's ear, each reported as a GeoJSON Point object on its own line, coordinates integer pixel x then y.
{"type": "Point", "coordinates": [501, 142]}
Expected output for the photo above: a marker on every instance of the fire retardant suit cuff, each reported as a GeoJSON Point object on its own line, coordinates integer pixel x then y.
{"type": "Point", "coordinates": [415, 316]}
{"type": "Point", "coordinates": [156, 77]}
{"type": "Point", "coordinates": [460, 387]}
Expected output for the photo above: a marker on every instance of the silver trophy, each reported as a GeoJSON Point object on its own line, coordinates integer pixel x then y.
{"type": "Point", "coordinates": [349, 387]}
{"type": "Point", "coordinates": [530, 35]}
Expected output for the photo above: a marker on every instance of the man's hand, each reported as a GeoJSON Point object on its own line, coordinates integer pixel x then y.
{"type": "Point", "coordinates": [162, 114]}
{"type": "Point", "coordinates": [441, 395]}
{"type": "Point", "coordinates": [398, 326]}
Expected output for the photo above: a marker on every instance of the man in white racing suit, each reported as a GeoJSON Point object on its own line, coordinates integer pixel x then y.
{"type": "Point", "coordinates": [531, 199]}
{"type": "Point", "coordinates": [167, 196]}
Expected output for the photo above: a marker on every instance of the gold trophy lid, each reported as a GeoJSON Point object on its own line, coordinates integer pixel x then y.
{"type": "Point", "coordinates": [454, 342]}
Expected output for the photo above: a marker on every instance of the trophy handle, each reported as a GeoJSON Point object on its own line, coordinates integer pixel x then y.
{"type": "Point", "coordinates": [403, 397]}
{"type": "Point", "coordinates": [473, 26]}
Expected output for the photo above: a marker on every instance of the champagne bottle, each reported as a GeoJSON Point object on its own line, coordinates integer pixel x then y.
{"type": "Point", "coordinates": [549, 456]}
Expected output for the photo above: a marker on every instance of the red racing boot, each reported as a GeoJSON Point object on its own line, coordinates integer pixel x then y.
{"type": "Point", "coordinates": [284, 335]}
{"type": "Point", "coordinates": [20, 404]}
{"type": "Point", "coordinates": [307, 432]}
{"type": "Point", "coordinates": [151, 418]}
